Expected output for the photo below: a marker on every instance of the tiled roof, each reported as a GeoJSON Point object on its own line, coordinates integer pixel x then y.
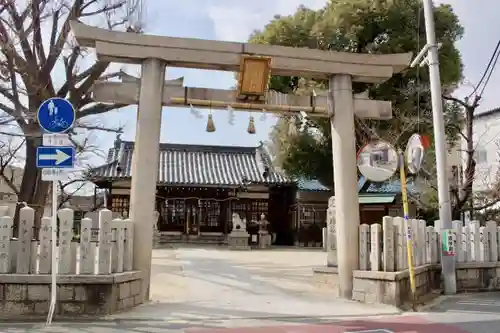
{"type": "Point", "coordinates": [390, 187]}
{"type": "Point", "coordinates": [312, 185]}
{"type": "Point", "coordinates": [367, 198]}
{"type": "Point", "coordinates": [487, 113]}
{"type": "Point", "coordinates": [197, 165]}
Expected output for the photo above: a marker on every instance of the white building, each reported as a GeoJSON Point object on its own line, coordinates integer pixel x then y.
{"type": "Point", "coordinates": [486, 138]}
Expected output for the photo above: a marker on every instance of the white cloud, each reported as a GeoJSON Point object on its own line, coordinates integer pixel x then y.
{"type": "Point", "coordinates": [234, 21]}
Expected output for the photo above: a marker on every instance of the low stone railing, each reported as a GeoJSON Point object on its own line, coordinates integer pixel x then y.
{"type": "Point", "coordinates": [94, 274]}
{"type": "Point", "coordinates": [383, 247]}
{"type": "Point", "coordinates": [383, 275]}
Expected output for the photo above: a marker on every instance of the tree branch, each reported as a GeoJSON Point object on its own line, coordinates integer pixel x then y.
{"type": "Point", "coordinates": [456, 100]}
{"type": "Point", "coordinates": [90, 75]}
{"type": "Point", "coordinates": [57, 46]}
{"type": "Point", "coordinates": [6, 160]}
{"type": "Point", "coordinates": [98, 109]}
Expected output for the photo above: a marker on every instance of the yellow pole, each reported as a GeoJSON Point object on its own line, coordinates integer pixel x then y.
{"type": "Point", "coordinates": [409, 235]}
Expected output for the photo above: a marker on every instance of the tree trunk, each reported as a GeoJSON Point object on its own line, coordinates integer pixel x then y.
{"type": "Point", "coordinates": [456, 214]}
{"type": "Point", "coordinates": [33, 190]}
{"type": "Point", "coordinates": [465, 192]}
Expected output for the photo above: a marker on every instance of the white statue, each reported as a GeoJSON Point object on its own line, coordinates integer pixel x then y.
{"type": "Point", "coordinates": [263, 223]}
{"type": "Point", "coordinates": [238, 223]}
{"type": "Point", "coordinates": [265, 238]}
{"type": "Point", "coordinates": [238, 237]}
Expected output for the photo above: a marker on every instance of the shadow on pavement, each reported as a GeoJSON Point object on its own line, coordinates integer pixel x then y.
{"type": "Point", "coordinates": [172, 316]}
{"type": "Point", "coordinates": [400, 324]}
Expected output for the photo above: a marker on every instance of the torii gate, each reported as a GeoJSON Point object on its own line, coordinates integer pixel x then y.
{"type": "Point", "coordinates": [255, 63]}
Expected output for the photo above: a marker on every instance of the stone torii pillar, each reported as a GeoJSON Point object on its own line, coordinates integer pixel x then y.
{"type": "Point", "coordinates": [145, 166]}
{"type": "Point", "coordinates": [345, 176]}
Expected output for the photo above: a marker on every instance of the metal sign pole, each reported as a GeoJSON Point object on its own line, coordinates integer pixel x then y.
{"type": "Point", "coordinates": [56, 154]}
{"type": "Point", "coordinates": [53, 289]}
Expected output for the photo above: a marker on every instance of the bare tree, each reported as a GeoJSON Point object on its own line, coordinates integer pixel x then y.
{"type": "Point", "coordinates": [464, 175]}
{"type": "Point", "coordinates": [39, 60]}
{"type": "Point", "coordinates": [77, 181]}
{"type": "Point", "coordinates": [462, 192]}
{"type": "Point", "coordinates": [463, 196]}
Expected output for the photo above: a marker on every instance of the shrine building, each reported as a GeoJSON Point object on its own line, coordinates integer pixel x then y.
{"type": "Point", "coordinates": [200, 187]}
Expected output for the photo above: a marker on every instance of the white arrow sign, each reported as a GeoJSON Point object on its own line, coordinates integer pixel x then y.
{"type": "Point", "coordinates": [59, 157]}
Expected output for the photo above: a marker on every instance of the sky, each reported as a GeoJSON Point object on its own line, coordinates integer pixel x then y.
{"type": "Point", "coordinates": [232, 20]}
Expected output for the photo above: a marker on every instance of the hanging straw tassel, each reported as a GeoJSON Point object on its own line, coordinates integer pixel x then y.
{"type": "Point", "coordinates": [210, 124]}
{"type": "Point", "coordinates": [263, 116]}
{"type": "Point", "coordinates": [195, 112]}
{"type": "Point", "coordinates": [292, 126]}
{"type": "Point", "coordinates": [251, 125]}
{"type": "Point", "coordinates": [231, 117]}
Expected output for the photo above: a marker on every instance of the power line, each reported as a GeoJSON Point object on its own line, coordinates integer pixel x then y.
{"type": "Point", "coordinates": [494, 57]}
{"type": "Point", "coordinates": [491, 72]}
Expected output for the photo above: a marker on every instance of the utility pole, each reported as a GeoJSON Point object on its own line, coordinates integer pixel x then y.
{"type": "Point", "coordinates": [432, 60]}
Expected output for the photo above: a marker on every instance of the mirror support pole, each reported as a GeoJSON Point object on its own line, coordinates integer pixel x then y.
{"type": "Point", "coordinates": [346, 180]}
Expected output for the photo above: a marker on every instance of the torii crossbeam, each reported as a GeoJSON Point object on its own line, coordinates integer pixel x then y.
{"type": "Point", "coordinates": [175, 94]}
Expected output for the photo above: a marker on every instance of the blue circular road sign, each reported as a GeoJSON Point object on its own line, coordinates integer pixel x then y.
{"type": "Point", "coordinates": [56, 115]}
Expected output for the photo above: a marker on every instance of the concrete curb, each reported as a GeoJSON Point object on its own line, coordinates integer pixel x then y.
{"type": "Point", "coordinates": [432, 303]}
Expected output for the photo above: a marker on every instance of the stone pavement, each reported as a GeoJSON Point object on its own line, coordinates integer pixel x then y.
{"type": "Point", "coordinates": [204, 290]}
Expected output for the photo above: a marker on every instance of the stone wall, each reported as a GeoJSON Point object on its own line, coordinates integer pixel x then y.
{"type": "Point", "coordinates": [478, 276]}
{"type": "Point", "coordinates": [28, 296]}
{"type": "Point", "coordinates": [393, 288]}
{"type": "Point", "coordinates": [327, 277]}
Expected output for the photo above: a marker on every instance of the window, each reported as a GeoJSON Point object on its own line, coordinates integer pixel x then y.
{"type": "Point", "coordinates": [250, 209]}
{"type": "Point", "coordinates": [481, 156]}
{"type": "Point", "coordinates": [120, 203]}
{"type": "Point", "coordinates": [312, 214]}
{"type": "Point", "coordinates": [176, 212]}
{"type": "Point", "coordinates": [259, 207]}
{"type": "Point", "coordinates": [210, 212]}
{"type": "Point", "coordinates": [381, 155]}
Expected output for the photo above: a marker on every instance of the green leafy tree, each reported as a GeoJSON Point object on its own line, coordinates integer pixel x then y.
{"type": "Point", "coordinates": [364, 26]}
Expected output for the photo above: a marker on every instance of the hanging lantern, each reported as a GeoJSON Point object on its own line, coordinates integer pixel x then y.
{"type": "Point", "coordinates": [210, 124]}
{"type": "Point", "coordinates": [251, 125]}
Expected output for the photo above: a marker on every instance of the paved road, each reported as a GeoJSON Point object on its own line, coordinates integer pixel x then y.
{"type": "Point", "coordinates": [475, 312]}
{"type": "Point", "coordinates": [198, 290]}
